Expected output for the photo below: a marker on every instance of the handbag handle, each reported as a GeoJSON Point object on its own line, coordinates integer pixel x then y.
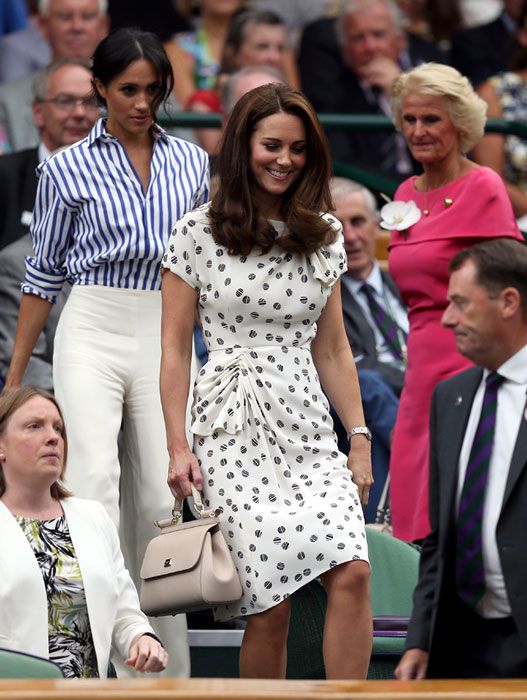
{"type": "Point", "coordinates": [197, 505]}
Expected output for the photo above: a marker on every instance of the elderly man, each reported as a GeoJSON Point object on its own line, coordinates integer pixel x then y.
{"type": "Point", "coordinates": [348, 65]}
{"type": "Point", "coordinates": [470, 610]}
{"type": "Point", "coordinates": [73, 29]}
{"type": "Point", "coordinates": [63, 112]}
{"type": "Point", "coordinates": [380, 369]}
{"type": "Point", "coordinates": [365, 287]}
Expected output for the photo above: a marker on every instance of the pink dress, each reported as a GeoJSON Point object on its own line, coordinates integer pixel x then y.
{"type": "Point", "coordinates": [418, 261]}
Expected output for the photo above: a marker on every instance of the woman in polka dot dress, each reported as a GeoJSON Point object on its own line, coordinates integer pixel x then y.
{"type": "Point", "coordinates": [263, 266]}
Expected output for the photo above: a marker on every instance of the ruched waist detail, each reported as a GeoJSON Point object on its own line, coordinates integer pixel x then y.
{"type": "Point", "coordinates": [230, 387]}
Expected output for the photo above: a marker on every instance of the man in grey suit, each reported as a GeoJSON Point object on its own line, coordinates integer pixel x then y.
{"type": "Point", "coordinates": [62, 116]}
{"type": "Point", "coordinates": [73, 29]}
{"type": "Point", "coordinates": [470, 604]}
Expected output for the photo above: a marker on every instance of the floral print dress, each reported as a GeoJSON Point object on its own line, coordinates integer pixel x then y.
{"type": "Point", "coordinates": [70, 638]}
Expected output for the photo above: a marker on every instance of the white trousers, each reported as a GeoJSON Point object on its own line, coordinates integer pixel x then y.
{"type": "Point", "coordinates": [106, 376]}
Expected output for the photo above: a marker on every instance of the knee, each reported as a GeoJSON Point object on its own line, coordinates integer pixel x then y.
{"type": "Point", "coordinates": [352, 578]}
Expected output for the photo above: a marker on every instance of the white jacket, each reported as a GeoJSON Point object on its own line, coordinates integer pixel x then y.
{"type": "Point", "coordinates": [111, 597]}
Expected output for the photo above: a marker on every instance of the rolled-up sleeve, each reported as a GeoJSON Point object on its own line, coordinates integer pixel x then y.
{"type": "Point", "coordinates": [51, 231]}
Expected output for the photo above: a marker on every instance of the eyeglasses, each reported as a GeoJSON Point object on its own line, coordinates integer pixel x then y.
{"type": "Point", "coordinates": [66, 103]}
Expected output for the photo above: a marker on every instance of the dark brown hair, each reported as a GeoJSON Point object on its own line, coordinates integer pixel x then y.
{"type": "Point", "coordinates": [13, 399]}
{"type": "Point", "coordinates": [235, 218]}
{"type": "Point", "coordinates": [499, 263]}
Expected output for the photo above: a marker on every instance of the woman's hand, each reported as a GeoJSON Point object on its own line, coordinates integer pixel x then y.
{"type": "Point", "coordinates": [147, 655]}
{"type": "Point", "coordinates": [359, 461]}
{"type": "Point", "coordinates": [183, 469]}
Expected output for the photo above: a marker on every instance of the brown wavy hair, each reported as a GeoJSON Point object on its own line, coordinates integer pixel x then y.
{"type": "Point", "coordinates": [235, 218]}
{"type": "Point", "coordinates": [13, 399]}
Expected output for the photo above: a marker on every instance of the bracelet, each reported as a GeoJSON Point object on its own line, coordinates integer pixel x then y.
{"type": "Point", "coordinates": [359, 430]}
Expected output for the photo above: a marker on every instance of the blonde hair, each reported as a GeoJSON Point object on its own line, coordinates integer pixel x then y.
{"type": "Point", "coordinates": [466, 109]}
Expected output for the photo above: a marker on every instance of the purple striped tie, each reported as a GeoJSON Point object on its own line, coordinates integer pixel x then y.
{"type": "Point", "coordinates": [385, 323]}
{"type": "Point", "coordinates": [470, 572]}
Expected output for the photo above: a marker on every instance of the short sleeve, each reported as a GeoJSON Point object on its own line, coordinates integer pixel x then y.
{"type": "Point", "coordinates": [183, 250]}
{"type": "Point", "coordinates": [328, 262]}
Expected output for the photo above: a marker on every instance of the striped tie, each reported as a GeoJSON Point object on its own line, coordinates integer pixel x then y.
{"type": "Point", "coordinates": [470, 572]}
{"type": "Point", "coordinates": [385, 323]}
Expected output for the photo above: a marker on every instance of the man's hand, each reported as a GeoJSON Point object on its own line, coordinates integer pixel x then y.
{"type": "Point", "coordinates": [380, 72]}
{"type": "Point", "coordinates": [413, 665]}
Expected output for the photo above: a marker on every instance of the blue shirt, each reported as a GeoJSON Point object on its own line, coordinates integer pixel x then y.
{"type": "Point", "coordinates": [13, 16]}
{"type": "Point", "coordinates": [92, 222]}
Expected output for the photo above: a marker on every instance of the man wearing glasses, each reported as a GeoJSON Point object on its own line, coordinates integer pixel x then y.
{"type": "Point", "coordinates": [64, 111]}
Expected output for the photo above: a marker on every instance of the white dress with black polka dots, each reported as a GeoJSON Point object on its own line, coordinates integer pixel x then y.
{"type": "Point", "coordinates": [263, 434]}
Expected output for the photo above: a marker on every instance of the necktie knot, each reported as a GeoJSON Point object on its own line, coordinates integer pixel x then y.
{"type": "Point", "coordinates": [493, 381]}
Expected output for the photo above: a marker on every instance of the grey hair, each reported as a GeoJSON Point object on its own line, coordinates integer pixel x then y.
{"type": "Point", "coordinates": [466, 109]}
{"type": "Point", "coordinates": [43, 7]}
{"type": "Point", "coordinates": [341, 186]}
{"type": "Point", "coordinates": [229, 86]}
{"type": "Point", "coordinates": [40, 83]}
{"type": "Point", "coordinates": [350, 7]}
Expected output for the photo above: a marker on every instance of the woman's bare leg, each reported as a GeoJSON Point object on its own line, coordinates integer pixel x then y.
{"type": "Point", "coordinates": [264, 648]}
{"type": "Point", "coordinates": [348, 628]}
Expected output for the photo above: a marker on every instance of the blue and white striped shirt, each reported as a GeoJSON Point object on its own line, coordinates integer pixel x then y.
{"type": "Point", "coordinates": [92, 222]}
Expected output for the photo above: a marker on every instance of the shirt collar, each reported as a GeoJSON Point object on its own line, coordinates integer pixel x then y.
{"type": "Point", "coordinates": [99, 133]}
{"type": "Point", "coordinates": [515, 368]}
{"type": "Point", "coordinates": [374, 278]}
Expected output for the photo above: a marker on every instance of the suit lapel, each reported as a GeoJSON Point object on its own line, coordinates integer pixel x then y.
{"type": "Point", "coordinates": [456, 411]}
{"type": "Point", "coordinates": [519, 458]}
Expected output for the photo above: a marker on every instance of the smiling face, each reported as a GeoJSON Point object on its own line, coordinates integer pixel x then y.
{"type": "Point", "coordinates": [477, 318]}
{"type": "Point", "coordinates": [428, 129]}
{"type": "Point", "coordinates": [360, 231]}
{"type": "Point", "coordinates": [129, 99]}
{"type": "Point", "coordinates": [32, 445]}
{"type": "Point", "coordinates": [277, 159]}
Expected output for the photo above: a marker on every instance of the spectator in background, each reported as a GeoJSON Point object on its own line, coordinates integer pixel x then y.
{"type": "Point", "coordinates": [483, 51]}
{"type": "Point", "coordinates": [196, 55]}
{"type": "Point", "coordinates": [457, 204]}
{"type": "Point", "coordinates": [73, 29]}
{"type": "Point", "coordinates": [296, 14]}
{"type": "Point", "coordinates": [506, 97]}
{"type": "Point", "coordinates": [66, 594]}
{"type": "Point", "coordinates": [348, 65]}
{"type": "Point", "coordinates": [13, 16]}
{"type": "Point", "coordinates": [64, 111]}
{"type": "Point", "coordinates": [469, 618]}
{"type": "Point", "coordinates": [24, 51]}
{"type": "Point", "coordinates": [380, 366]}
{"type": "Point", "coordinates": [356, 209]}
{"type": "Point", "coordinates": [255, 38]}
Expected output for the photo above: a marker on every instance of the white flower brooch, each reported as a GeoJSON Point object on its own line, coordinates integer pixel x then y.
{"type": "Point", "coordinates": [399, 216]}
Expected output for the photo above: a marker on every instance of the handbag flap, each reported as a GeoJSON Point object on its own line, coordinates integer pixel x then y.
{"type": "Point", "coordinates": [176, 550]}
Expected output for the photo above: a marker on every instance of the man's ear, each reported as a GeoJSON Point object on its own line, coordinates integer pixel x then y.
{"type": "Point", "coordinates": [42, 25]}
{"type": "Point", "coordinates": [38, 114]}
{"type": "Point", "coordinates": [510, 302]}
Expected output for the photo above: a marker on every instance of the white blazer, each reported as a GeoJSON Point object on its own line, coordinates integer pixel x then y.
{"type": "Point", "coordinates": [111, 597]}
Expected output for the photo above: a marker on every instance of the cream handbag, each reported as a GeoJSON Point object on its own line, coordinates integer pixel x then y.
{"type": "Point", "coordinates": [188, 566]}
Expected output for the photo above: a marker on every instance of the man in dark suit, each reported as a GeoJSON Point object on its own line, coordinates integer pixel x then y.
{"type": "Point", "coordinates": [63, 115]}
{"type": "Point", "coordinates": [347, 66]}
{"type": "Point", "coordinates": [470, 604]}
{"type": "Point", "coordinates": [381, 373]}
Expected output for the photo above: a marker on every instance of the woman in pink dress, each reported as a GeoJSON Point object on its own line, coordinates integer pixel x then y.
{"type": "Point", "coordinates": [458, 203]}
